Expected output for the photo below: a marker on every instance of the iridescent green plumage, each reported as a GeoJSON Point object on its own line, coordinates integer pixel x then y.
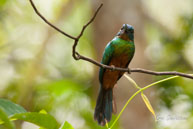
{"type": "Point", "coordinates": [116, 47]}
{"type": "Point", "coordinates": [118, 52]}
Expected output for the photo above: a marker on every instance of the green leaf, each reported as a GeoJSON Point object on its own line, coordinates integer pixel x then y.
{"type": "Point", "coordinates": [66, 125]}
{"type": "Point", "coordinates": [10, 108]}
{"type": "Point", "coordinates": [148, 104]}
{"type": "Point", "coordinates": [5, 120]}
{"type": "Point", "coordinates": [42, 120]}
{"type": "Point", "coordinates": [43, 111]}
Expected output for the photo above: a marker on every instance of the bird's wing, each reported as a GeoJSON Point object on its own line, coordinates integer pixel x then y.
{"type": "Point", "coordinates": [107, 56]}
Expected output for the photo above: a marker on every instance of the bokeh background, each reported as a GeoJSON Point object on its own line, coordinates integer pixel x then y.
{"type": "Point", "coordinates": [38, 72]}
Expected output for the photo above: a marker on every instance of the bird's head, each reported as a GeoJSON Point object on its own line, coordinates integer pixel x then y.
{"type": "Point", "coordinates": [126, 32]}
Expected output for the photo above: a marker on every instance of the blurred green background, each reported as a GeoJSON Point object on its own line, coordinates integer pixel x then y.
{"type": "Point", "coordinates": [38, 72]}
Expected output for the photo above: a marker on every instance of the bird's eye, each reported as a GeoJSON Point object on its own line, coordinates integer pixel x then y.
{"type": "Point", "coordinates": [122, 28]}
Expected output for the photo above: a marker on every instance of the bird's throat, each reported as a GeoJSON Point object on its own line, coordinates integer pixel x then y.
{"type": "Point", "coordinates": [124, 37]}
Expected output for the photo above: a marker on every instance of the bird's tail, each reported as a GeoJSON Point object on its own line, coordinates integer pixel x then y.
{"type": "Point", "coordinates": [105, 106]}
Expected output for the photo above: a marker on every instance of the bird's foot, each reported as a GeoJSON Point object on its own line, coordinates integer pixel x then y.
{"type": "Point", "coordinates": [128, 71]}
{"type": "Point", "coordinates": [113, 68]}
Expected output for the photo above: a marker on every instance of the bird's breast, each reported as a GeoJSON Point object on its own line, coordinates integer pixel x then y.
{"type": "Point", "coordinates": [110, 77]}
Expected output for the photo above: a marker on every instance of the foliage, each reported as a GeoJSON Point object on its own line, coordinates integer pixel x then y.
{"type": "Point", "coordinates": [5, 120]}
{"type": "Point", "coordinates": [10, 108]}
{"type": "Point", "coordinates": [10, 111]}
{"type": "Point", "coordinates": [42, 119]}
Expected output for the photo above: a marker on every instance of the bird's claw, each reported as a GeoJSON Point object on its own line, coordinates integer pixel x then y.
{"type": "Point", "coordinates": [113, 68]}
{"type": "Point", "coordinates": [128, 71]}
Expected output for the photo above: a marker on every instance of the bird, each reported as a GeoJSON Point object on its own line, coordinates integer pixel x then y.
{"type": "Point", "coordinates": [118, 53]}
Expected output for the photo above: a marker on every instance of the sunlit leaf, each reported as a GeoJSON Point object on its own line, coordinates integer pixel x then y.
{"type": "Point", "coordinates": [43, 111]}
{"type": "Point", "coordinates": [66, 125]}
{"type": "Point", "coordinates": [148, 104]}
{"type": "Point", "coordinates": [42, 120]}
{"type": "Point", "coordinates": [5, 120]}
{"type": "Point", "coordinates": [10, 108]}
{"type": "Point", "coordinates": [132, 81]}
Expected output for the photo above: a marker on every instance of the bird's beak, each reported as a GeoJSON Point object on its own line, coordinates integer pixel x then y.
{"type": "Point", "coordinates": [124, 25]}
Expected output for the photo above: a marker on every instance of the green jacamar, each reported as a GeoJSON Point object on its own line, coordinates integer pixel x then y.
{"type": "Point", "coordinates": [118, 53]}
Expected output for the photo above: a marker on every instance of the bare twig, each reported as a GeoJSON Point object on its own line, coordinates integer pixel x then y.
{"type": "Point", "coordinates": [50, 24]}
{"type": "Point", "coordinates": [74, 53]}
{"type": "Point", "coordinates": [161, 73]}
{"type": "Point", "coordinates": [78, 56]}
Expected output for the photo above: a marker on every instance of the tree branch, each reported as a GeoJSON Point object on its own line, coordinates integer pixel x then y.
{"type": "Point", "coordinates": [74, 53]}
{"type": "Point", "coordinates": [161, 73]}
{"type": "Point", "coordinates": [50, 24]}
{"type": "Point", "coordinates": [78, 56]}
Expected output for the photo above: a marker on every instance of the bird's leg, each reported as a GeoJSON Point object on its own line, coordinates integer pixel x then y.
{"type": "Point", "coordinates": [128, 71]}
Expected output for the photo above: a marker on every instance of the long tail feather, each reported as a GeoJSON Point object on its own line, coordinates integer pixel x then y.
{"type": "Point", "coordinates": [104, 106]}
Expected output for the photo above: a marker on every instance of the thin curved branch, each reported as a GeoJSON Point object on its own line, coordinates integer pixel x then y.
{"type": "Point", "coordinates": [78, 56]}
{"type": "Point", "coordinates": [89, 22]}
{"type": "Point", "coordinates": [74, 53]}
{"type": "Point", "coordinates": [46, 21]}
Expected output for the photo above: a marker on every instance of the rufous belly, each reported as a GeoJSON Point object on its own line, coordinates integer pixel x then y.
{"type": "Point", "coordinates": [110, 77]}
